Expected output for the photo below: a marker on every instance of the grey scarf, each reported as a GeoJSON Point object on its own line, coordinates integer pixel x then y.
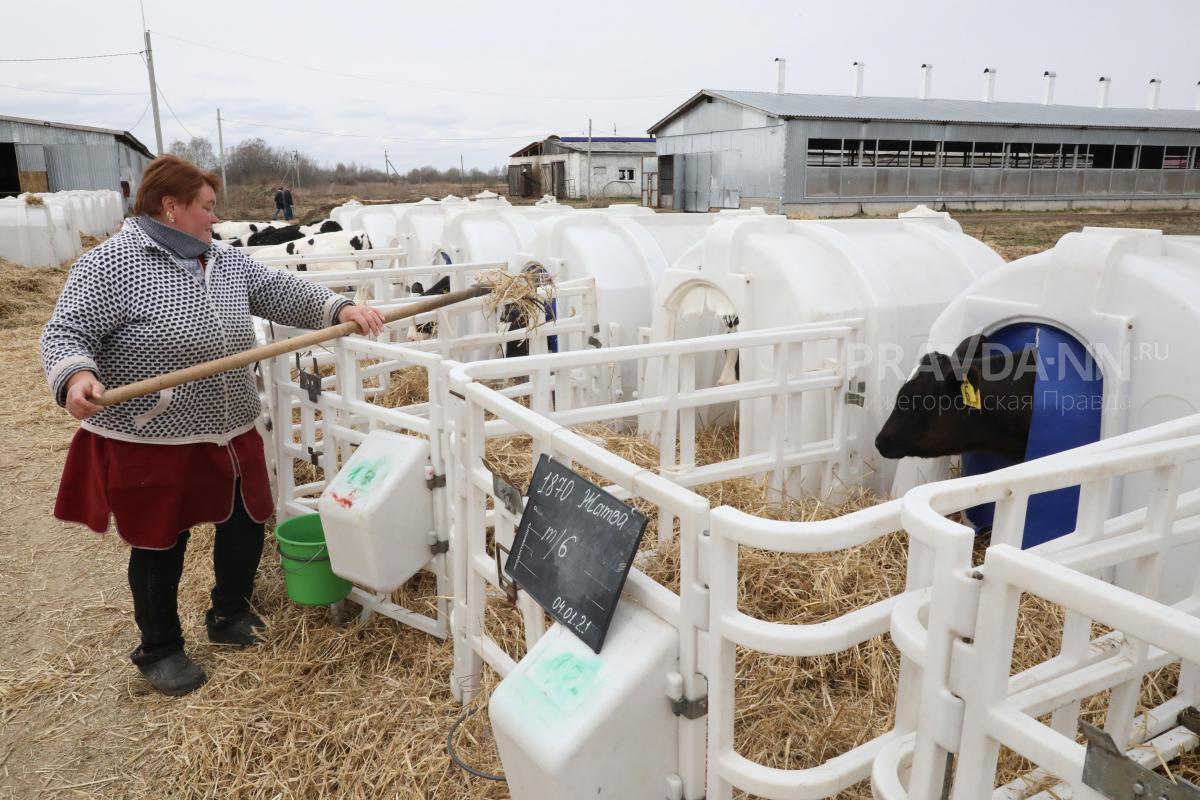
{"type": "Point", "coordinates": [182, 245]}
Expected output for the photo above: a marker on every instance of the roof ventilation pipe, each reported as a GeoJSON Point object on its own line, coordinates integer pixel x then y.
{"type": "Point", "coordinates": [1048, 87]}
{"type": "Point", "coordinates": [1152, 96]}
{"type": "Point", "coordinates": [1102, 92]}
{"type": "Point", "coordinates": [856, 78]}
{"type": "Point", "coordinates": [989, 84]}
{"type": "Point", "coordinates": [926, 80]}
{"type": "Point", "coordinates": [782, 84]}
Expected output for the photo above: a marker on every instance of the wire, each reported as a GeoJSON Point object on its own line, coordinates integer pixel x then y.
{"type": "Point", "coordinates": [428, 87]}
{"type": "Point", "coordinates": [71, 58]}
{"type": "Point", "coordinates": [139, 119]}
{"type": "Point", "coordinates": [65, 91]}
{"type": "Point", "coordinates": [172, 110]}
{"type": "Point", "coordinates": [384, 138]}
{"type": "Point", "coordinates": [458, 762]}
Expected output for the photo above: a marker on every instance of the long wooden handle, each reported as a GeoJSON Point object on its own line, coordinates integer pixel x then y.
{"type": "Point", "coordinates": [198, 371]}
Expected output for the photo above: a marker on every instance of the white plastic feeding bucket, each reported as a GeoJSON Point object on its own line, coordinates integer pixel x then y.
{"type": "Point", "coordinates": [571, 723]}
{"type": "Point", "coordinates": [752, 273]}
{"type": "Point", "coordinates": [378, 512]}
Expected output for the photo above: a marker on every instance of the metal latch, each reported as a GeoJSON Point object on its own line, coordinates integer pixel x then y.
{"type": "Point", "coordinates": [437, 548]}
{"type": "Point", "coordinates": [857, 393]}
{"type": "Point", "coordinates": [690, 709]}
{"type": "Point", "coordinates": [1114, 775]}
{"type": "Point", "coordinates": [1190, 719]}
{"type": "Point", "coordinates": [314, 456]}
{"type": "Point", "coordinates": [507, 585]}
{"type": "Point", "coordinates": [435, 481]}
{"type": "Point", "coordinates": [310, 381]}
{"type": "Point", "coordinates": [594, 342]}
{"type": "Point", "coordinates": [508, 495]}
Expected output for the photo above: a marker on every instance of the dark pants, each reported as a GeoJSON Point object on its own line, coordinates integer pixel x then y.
{"type": "Point", "coordinates": [154, 580]}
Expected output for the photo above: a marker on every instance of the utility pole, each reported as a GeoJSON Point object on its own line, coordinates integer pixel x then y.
{"type": "Point", "coordinates": [221, 150]}
{"type": "Point", "coordinates": [589, 162]}
{"type": "Point", "coordinates": [462, 175]}
{"type": "Point", "coordinates": [387, 176]}
{"type": "Point", "coordinates": [296, 161]}
{"type": "Point", "coordinates": [153, 86]}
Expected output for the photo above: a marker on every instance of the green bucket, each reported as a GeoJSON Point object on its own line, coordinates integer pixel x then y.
{"type": "Point", "coordinates": [305, 561]}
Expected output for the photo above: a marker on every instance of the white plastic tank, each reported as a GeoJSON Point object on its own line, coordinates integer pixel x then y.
{"type": "Point", "coordinates": [420, 227]}
{"type": "Point", "coordinates": [570, 723]}
{"type": "Point", "coordinates": [753, 273]}
{"type": "Point", "coordinates": [37, 235]}
{"type": "Point", "coordinates": [377, 512]}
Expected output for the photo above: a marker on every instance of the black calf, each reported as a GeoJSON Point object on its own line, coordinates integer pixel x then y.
{"type": "Point", "coordinates": [978, 399]}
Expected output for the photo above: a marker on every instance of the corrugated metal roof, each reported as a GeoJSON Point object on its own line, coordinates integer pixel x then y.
{"type": "Point", "coordinates": [125, 136]}
{"type": "Point", "coordinates": [606, 139]}
{"type": "Point", "coordinates": [977, 112]}
{"type": "Point", "coordinates": [600, 146]}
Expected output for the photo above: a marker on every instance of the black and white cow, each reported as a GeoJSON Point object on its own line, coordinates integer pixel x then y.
{"type": "Point", "coordinates": [979, 399]}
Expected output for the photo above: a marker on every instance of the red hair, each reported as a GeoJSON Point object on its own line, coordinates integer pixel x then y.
{"type": "Point", "coordinates": [173, 176]}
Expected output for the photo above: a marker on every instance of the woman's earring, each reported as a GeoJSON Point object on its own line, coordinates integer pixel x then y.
{"type": "Point", "coordinates": [170, 216]}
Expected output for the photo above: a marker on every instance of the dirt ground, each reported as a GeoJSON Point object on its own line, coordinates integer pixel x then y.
{"type": "Point", "coordinates": [76, 719]}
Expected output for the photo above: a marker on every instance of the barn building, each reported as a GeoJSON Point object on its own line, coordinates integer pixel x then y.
{"type": "Point", "coordinates": [39, 156]}
{"type": "Point", "coordinates": [558, 165]}
{"type": "Point", "coordinates": [825, 155]}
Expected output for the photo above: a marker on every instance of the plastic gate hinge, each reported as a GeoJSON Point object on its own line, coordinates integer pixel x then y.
{"type": "Point", "coordinates": [314, 456]}
{"type": "Point", "coordinates": [594, 342]}
{"type": "Point", "coordinates": [1107, 770]}
{"type": "Point", "coordinates": [1190, 719]}
{"type": "Point", "coordinates": [310, 381]}
{"type": "Point", "coordinates": [857, 394]}
{"type": "Point", "coordinates": [433, 480]}
{"type": "Point", "coordinates": [694, 708]}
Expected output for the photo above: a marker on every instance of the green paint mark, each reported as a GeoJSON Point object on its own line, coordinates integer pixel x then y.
{"type": "Point", "coordinates": [565, 679]}
{"type": "Point", "coordinates": [361, 476]}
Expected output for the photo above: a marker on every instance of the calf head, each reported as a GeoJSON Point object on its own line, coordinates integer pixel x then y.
{"type": "Point", "coordinates": [963, 402]}
{"type": "Point", "coordinates": [425, 330]}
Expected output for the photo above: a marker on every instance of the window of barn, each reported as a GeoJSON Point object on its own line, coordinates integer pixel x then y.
{"type": "Point", "coordinates": [858, 152]}
{"type": "Point", "coordinates": [1101, 155]}
{"type": "Point", "coordinates": [1020, 155]}
{"type": "Point", "coordinates": [1047, 156]}
{"type": "Point", "coordinates": [1175, 158]}
{"type": "Point", "coordinates": [892, 153]}
{"type": "Point", "coordinates": [1150, 157]}
{"type": "Point", "coordinates": [824, 152]}
{"type": "Point", "coordinates": [924, 153]}
{"type": "Point", "coordinates": [956, 154]}
{"type": "Point", "coordinates": [1125, 156]}
{"type": "Point", "coordinates": [986, 155]}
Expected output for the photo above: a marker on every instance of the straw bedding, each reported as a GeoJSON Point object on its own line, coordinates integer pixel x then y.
{"type": "Point", "coordinates": [343, 708]}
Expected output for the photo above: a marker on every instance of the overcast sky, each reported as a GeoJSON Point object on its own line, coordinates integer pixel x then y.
{"type": "Point", "coordinates": [428, 81]}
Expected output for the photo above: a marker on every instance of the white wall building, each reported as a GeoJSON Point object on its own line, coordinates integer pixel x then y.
{"type": "Point", "coordinates": [558, 165]}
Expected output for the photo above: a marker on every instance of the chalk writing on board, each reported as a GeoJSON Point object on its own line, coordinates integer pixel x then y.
{"type": "Point", "coordinates": [573, 549]}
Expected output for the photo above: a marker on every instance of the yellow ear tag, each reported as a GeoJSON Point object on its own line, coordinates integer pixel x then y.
{"type": "Point", "coordinates": [970, 396]}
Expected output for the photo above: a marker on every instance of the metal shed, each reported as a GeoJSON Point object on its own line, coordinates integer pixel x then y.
{"type": "Point", "coordinates": [559, 166]}
{"type": "Point", "coordinates": [834, 155]}
{"type": "Point", "coordinates": [41, 156]}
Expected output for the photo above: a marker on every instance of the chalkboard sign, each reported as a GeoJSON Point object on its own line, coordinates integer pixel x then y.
{"type": "Point", "coordinates": [573, 549]}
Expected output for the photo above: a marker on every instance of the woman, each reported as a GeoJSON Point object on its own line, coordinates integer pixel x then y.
{"type": "Point", "coordinates": [157, 297]}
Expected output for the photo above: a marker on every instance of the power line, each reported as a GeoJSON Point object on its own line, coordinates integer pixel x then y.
{"type": "Point", "coordinates": [65, 91]}
{"type": "Point", "coordinates": [385, 138]}
{"type": "Point", "coordinates": [172, 110]}
{"type": "Point", "coordinates": [70, 58]}
{"type": "Point", "coordinates": [428, 87]}
{"type": "Point", "coordinates": [139, 119]}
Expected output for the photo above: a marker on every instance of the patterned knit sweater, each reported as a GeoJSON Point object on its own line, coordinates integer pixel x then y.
{"type": "Point", "coordinates": [131, 311]}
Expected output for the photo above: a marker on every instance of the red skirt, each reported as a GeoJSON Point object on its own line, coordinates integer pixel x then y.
{"type": "Point", "coordinates": [156, 491]}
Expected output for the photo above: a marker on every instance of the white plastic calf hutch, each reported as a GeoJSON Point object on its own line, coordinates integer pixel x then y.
{"type": "Point", "coordinates": [626, 250]}
{"type": "Point", "coordinates": [1112, 315]}
{"type": "Point", "coordinates": [752, 273]}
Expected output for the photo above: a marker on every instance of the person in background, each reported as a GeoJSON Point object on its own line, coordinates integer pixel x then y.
{"type": "Point", "coordinates": [157, 297]}
{"type": "Point", "coordinates": [279, 206]}
{"type": "Point", "coordinates": [287, 203]}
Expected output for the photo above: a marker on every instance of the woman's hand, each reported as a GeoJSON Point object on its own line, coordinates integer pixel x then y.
{"type": "Point", "coordinates": [82, 389]}
{"type": "Point", "coordinates": [369, 320]}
